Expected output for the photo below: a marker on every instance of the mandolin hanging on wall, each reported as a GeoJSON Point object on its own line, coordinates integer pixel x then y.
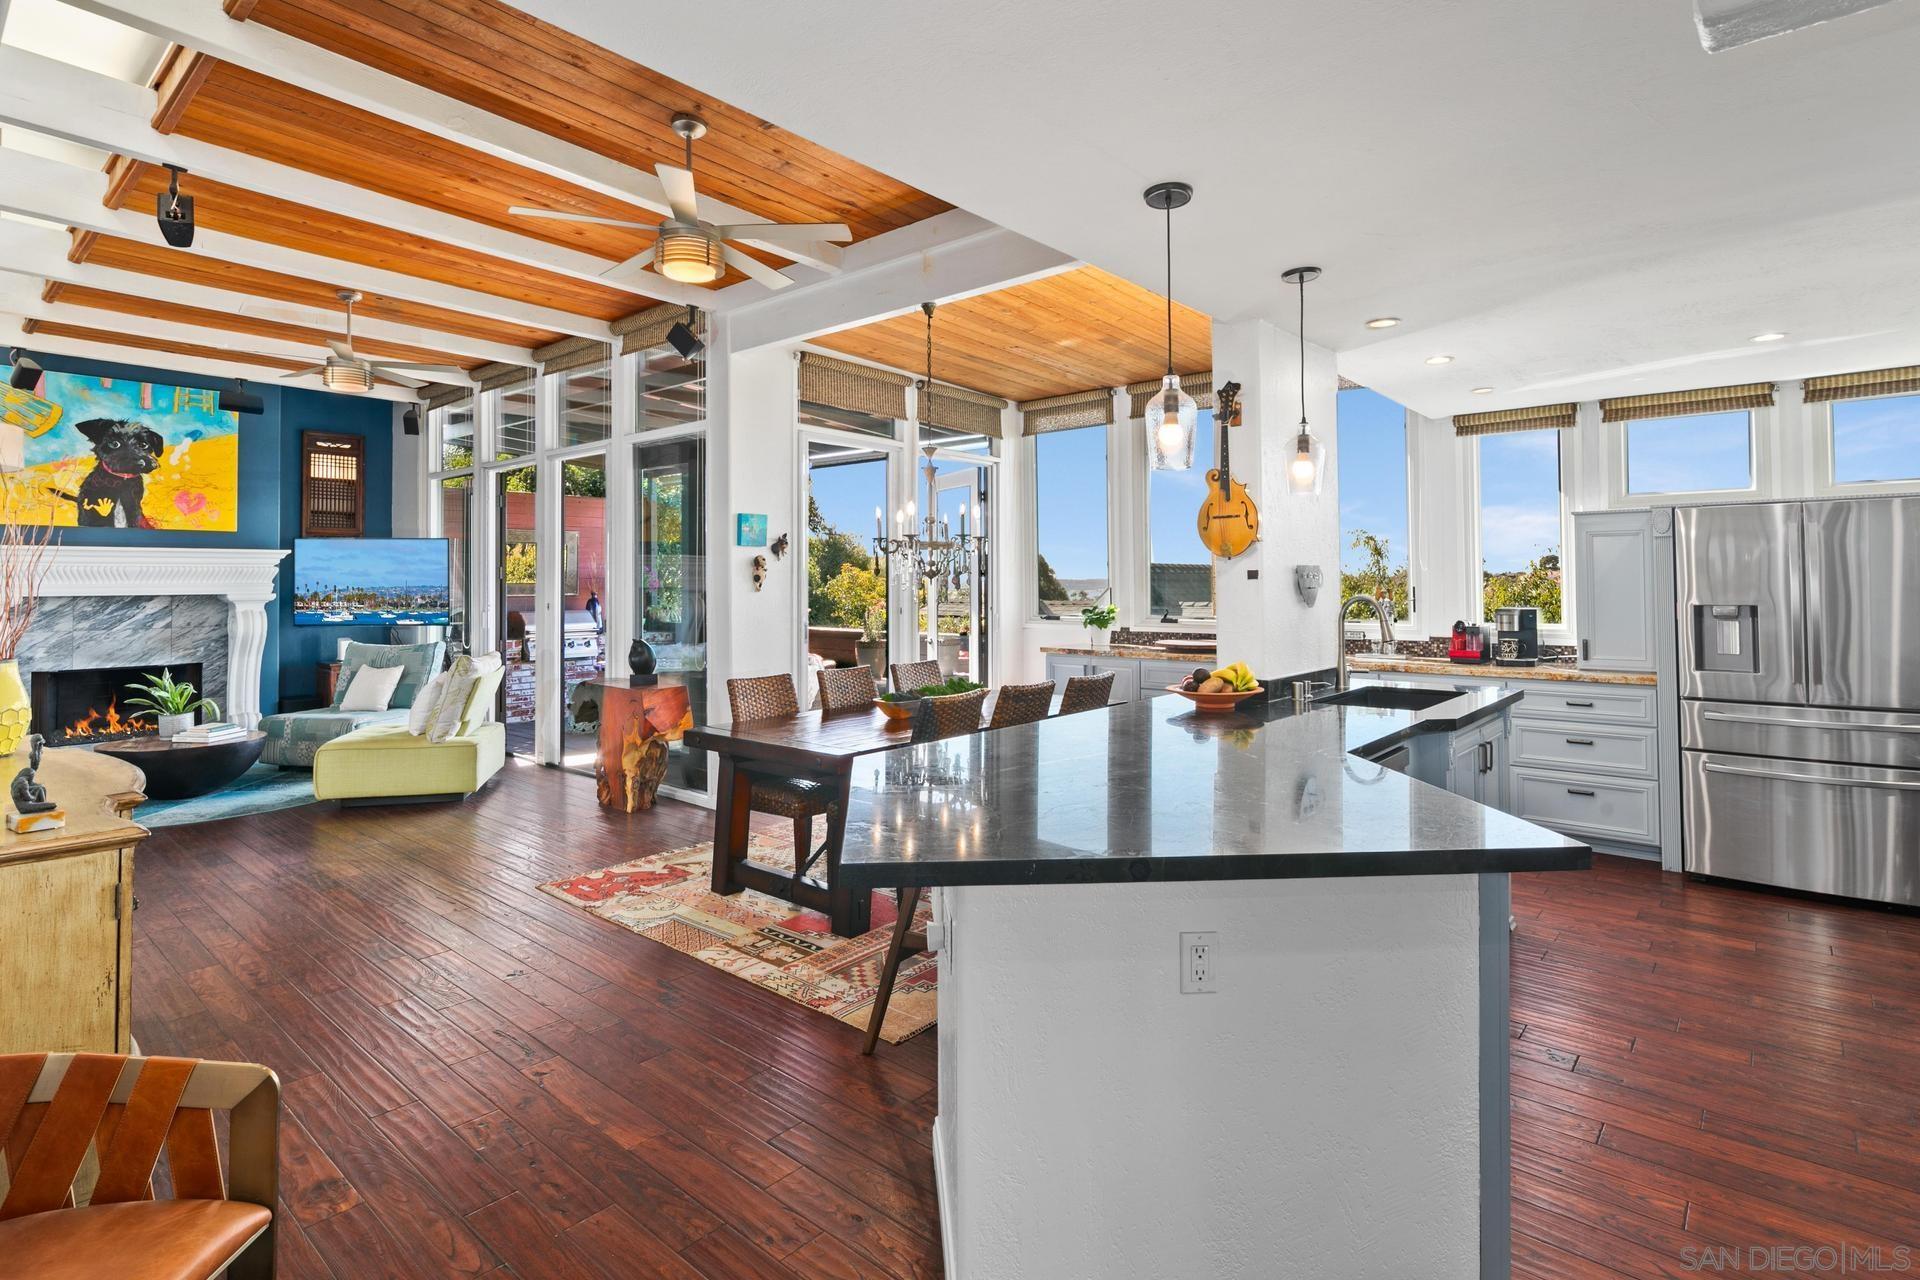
{"type": "Point", "coordinates": [1229, 523]}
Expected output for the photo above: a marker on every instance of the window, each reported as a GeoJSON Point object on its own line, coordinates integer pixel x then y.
{"type": "Point", "coordinates": [586, 404]}
{"type": "Point", "coordinates": [670, 586]}
{"type": "Point", "coordinates": [1693, 453]}
{"type": "Point", "coordinates": [1372, 461]}
{"type": "Point", "coordinates": [1180, 568]}
{"type": "Point", "coordinates": [456, 436]}
{"type": "Point", "coordinates": [516, 421]}
{"type": "Point", "coordinates": [847, 489]}
{"type": "Point", "coordinates": [333, 485]}
{"type": "Point", "coordinates": [672, 389]}
{"type": "Point", "coordinates": [824, 415]}
{"type": "Point", "coordinates": [456, 519]}
{"type": "Point", "coordinates": [1520, 534]}
{"type": "Point", "coordinates": [949, 438]}
{"type": "Point", "coordinates": [1070, 519]}
{"type": "Point", "coordinates": [1876, 440]}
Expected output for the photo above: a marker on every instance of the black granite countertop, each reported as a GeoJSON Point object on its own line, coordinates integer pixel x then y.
{"type": "Point", "coordinates": [1151, 790]}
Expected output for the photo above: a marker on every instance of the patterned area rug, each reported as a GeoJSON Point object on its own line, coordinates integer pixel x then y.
{"type": "Point", "coordinates": [261, 789]}
{"type": "Point", "coordinates": [752, 935]}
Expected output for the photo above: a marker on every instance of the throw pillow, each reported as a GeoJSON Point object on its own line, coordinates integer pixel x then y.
{"type": "Point", "coordinates": [372, 689]}
{"type": "Point", "coordinates": [488, 670]}
{"type": "Point", "coordinates": [420, 714]}
{"type": "Point", "coordinates": [451, 708]}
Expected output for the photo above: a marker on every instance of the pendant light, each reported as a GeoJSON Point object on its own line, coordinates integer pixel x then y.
{"type": "Point", "coordinates": [1309, 463]}
{"type": "Point", "coordinates": [1171, 415]}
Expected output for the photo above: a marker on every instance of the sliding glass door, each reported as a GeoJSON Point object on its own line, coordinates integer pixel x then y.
{"type": "Point", "coordinates": [954, 630]}
{"type": "Point", "coordinates": [670, 581]}
{"type": "Point", "coordinates": [515, 493]}
{"type": "Point", "coordinates": [583, 603]}
{"type": "Point", "coordinates": [848, 492]}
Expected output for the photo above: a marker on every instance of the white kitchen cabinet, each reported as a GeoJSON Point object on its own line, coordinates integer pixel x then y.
{"type": "Point", "coordinates": [1062, 667]}
{"type": "Point", "coordinates": [1613, 556]}
{"type": "Point", "coordinates": [1477, 764]}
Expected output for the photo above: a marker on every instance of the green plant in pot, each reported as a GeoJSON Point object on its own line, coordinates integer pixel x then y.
{"type": "Point", "coordinates": [1098, 619]}
{"type": "Point", "coordinates": [172, 702]}
{"type": "Point", "coordinates": [871, 650]}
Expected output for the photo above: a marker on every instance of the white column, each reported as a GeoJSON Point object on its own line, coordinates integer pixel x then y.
{"type": "Point", "coordinates": [246, 649]}
{"type": "Point", "coordinates": [1262, 620]}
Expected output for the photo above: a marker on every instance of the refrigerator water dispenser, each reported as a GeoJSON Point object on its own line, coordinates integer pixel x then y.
{"type": "Point", "coordinates": [1723, 637]}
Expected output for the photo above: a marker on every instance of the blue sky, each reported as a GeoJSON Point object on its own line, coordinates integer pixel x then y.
{"type": "Point", "coordinates": [1071, 502]}
{"type": "Point", "coordinates": [376, 563]}
{"type": "Point", "coordinates": [1876, 439]}
{"type": "Point", "coordinates": [1372, 462]}
{"type": "Point", "coordinates": [847, 495]}
{"type": "Point", "coordinates": [1519, 498]}
{"type": "Point", "coordinates": [1689, 454]}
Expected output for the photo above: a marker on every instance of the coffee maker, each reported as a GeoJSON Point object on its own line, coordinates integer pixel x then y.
{"type": "Point", "coordinates": [1519, 642]}
{"type": "Point", "coordinates": [1472, 642]}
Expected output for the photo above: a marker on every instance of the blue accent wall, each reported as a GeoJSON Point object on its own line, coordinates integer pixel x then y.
{"type": "Point", "coordinates": [269, 513]}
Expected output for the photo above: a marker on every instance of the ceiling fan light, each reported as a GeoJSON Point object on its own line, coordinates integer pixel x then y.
{"type": "Point", "coordinates": [1171, 418]}
{"type": "Point", "coordinates": [351, 378]}
{"type": "Point", "coordinates": [688, 255]}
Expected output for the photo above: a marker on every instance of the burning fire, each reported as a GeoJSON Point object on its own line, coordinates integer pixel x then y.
{"type": "Point", "coordinates": [96, 725]}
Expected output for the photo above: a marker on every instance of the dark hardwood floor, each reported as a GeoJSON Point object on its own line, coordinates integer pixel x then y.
{"type": "Point", "coordinates": [480, 1080]}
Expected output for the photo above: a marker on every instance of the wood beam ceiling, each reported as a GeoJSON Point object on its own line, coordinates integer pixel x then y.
{"type": "Point", "coordinates": [1074, 331]}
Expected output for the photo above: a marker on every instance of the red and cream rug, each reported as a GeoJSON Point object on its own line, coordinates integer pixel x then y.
{"type": "Point", "coordinates": [759, 938]}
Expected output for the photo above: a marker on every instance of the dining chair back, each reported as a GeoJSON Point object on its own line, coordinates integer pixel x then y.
{"type": "Point", "coordinates": [1085, 693]}
{"type": "Point", "coordinates": [908, 676]}
{"type": "Point", "coordinates": [59, 1109]}
{"type": "Point", "coordinates": [1021, 704]}
{"type": "Point", "coordinates": [762, 697]}
{"type": "Point", "coordinates": [843, 688]}
{"type": "Point", "coordinates": [957, 713]}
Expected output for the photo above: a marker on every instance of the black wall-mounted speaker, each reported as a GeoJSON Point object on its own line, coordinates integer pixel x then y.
{"type": "Point", "coordinates": [237, 399]}
{"type": "Point", "coordinates": [410, 420]}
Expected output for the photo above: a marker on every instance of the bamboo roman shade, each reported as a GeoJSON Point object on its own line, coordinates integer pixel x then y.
{"type": "Point", "coordinates": [1197, 385]}
{"type": "Point", "coordinates": [440, 396]}
{"type": "Point", "coordinates": [1495, 422]}
{"type": "Point", "coordinates": [958, 409]}
{"type": "Point", "coordinates": [1855, 386]}
{"type": "Point", "coordinates": [1675, 404]}
{"type": "Point", "coordinates": [645, 330]}
{"type": "Point", "coordinates": [572, 353]}
{"type": "Point", "coordinates": [842, 384]}
{"type": "Point", "coordinates": [1063, 413]}
{"type": "Point", "coordinates": [492, 377]}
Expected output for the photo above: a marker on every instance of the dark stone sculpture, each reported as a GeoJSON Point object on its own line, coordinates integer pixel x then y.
{"type": "Point", "coordinates": [29, 796]}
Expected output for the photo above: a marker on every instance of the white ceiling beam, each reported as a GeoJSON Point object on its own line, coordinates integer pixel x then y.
{"type": "Point", "coordinates": [40, 253]}
{"type": "Point", "coordinates": [944, 258]}
{"type": "Point", "coordinates": [69, 102]}
{"type": "Point", "coordinates": [14, 327]}
{"type": "Point", "coordinates": [200, 24]}
{"type": "Point", "coordinates": [42, 188]}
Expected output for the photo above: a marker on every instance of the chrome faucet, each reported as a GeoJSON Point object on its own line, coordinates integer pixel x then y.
{"type": "Point", "coordinates": [1380, 611]}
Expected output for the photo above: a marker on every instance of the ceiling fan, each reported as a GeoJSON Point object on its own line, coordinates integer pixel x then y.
{"type": "Point", "coordinates": [344, 371]}
{"type": "Point", "coordinates": [691, 251]}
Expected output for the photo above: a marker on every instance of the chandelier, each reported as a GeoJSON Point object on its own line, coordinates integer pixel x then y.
{"type": "Point", "coordinates": [925, 546]}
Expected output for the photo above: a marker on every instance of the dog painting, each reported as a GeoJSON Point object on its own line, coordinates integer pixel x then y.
{"type": "Point", "coordinates": [129, 455]}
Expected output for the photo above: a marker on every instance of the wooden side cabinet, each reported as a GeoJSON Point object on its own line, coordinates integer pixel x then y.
{"type": "Point", "coordinates": [66, 912]}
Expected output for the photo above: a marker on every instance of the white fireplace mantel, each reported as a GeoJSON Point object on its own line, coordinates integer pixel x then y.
{"type": "Point", "coordinates": [244, 577]}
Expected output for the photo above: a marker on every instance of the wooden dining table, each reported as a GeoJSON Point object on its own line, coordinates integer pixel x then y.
{"type": "Point", "coordinates": [814, 746]}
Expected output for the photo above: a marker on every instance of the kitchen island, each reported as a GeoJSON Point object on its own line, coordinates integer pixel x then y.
{"type": "Point", "coordinates": [1335, 1104]}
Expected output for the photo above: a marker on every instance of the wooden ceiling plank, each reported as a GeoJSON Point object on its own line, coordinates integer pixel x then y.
{"type": "Point", "coordinates": [287, 58]}
{"type": "Point", "coordinates": [181, 74]}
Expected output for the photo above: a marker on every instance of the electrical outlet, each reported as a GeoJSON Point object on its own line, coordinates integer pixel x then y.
{"type": "Point", "coordinates": [1199, 963]}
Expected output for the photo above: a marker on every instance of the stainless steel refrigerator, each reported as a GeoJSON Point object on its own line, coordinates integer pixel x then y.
{"type": "Point", "coordinates": [1800, 694]}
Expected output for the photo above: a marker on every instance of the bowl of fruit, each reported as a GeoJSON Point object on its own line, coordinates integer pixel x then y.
{"type": "Point", "coordinates": [1221, 690]}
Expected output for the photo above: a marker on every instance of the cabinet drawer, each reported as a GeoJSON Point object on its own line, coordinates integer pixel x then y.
{"type": "Point", "coordinates": [1621, 809]}
{"type": "Point", "coordinates": [1622, 704]}
{"type": "Point", "coordinates": [1156, 676]}
{"type": "Point", "coordinates": [1579, 747]}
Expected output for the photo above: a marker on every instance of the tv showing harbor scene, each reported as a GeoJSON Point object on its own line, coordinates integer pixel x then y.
{"type": "Point", "coordinates": [371, 582]}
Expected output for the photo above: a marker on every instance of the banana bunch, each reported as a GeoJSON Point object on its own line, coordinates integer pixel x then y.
{"type": "Point", "coordinates": [1238, 678]}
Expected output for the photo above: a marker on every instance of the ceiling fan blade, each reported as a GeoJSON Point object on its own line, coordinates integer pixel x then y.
{"type": "Point", "coordinates": [785, 232]}
{"type": "Point", "coordinates": [759, 270]}
{"type": "Point", "coordinates": [384, 376]}
{"type": "Point", "coordinates": [631, 267]}
{"type": "Point", "coordinates": [680, 195]}
{"type": "Point", "coordinates": [305, 373]}
{"type": "Point", "coordinates": [341, 349]}
{"type": "Point", "coordinates": [444, 370]}
{"type": "Point", "coordinates": [561, 215]}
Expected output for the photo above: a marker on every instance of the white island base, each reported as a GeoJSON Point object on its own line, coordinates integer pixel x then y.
{"type": "Point", "coordinates": [1338, 1108]}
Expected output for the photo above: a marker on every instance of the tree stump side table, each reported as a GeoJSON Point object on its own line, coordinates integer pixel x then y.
{"type": "Point", "coordinates": [637, 721]}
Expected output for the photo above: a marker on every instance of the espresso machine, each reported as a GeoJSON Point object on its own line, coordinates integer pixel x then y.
{"type": "Point", "coordinates": [1519, 636]}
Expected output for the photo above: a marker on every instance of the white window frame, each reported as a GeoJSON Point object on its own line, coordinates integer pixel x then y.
{"type": "Point", "coordinates": [1411, 627]}
{"type": "Point", "coordinates": [1136, 609]}
{"type": "Point", "coordinates": [899, 612]}
{"type": "Point", "coordinates": [1761, 428]}
{"type": "Point", "coordinates": [1562, 632]}
{"type": "Point", "coordinates": [1029, 526]}
{"type": "Point", "coordinates": [1822, 470]}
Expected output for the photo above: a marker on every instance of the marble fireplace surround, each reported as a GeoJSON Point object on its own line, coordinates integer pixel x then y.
{"type": "Point", "coordinates": [151, 579]}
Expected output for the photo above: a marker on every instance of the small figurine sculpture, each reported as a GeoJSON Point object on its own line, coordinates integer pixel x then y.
{"type": "Point", "coordinates": [30, 796]}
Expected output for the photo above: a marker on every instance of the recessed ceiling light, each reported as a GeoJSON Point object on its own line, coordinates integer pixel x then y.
{"type": "Point", "coordinates": [1766, 337]}
{"type": "Point", "coordinates": [1483, 391]}
{"type": "Point", "coordinates": [1439, 359]}
{"type": "Point", "coordinates": [1383, 322]}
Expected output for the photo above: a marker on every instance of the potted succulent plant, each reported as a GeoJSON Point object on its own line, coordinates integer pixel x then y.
{"type": "Point", "coordinates": [871, 649]}
{"type": "Point", "coordinates": [173, 702]}
{"type": "Point", "coordinates": [1098, 619]}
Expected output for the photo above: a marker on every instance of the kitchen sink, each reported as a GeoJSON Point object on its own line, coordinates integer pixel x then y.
{"type": "Point", "coordinates": [1389, 697]}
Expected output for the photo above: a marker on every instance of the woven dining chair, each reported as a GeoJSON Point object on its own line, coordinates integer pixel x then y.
{"type": "Point", "coordinates": [1021, 704]}
{"type": "Point", "coordinates": [843, 688]}
{"type": "Point", "coordinates": [908, 676]}
{"type": "Point", "coordinates": [768, 698]}
{"type": "Point", "coordinates": [57, 1109]}
{"type": "Point", "coordinates": [1086, 693]}
{"type": "Point", "coordinates": [956, 713]}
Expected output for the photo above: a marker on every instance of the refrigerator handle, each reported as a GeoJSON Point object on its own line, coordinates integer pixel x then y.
{"type": "Point", "coordinates": [1811, 608]}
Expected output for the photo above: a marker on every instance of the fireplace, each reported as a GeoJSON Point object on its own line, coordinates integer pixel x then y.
{"type": "Point", "coordinates": [89, 704]}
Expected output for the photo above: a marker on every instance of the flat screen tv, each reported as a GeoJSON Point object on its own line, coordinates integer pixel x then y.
{"type": "Point", "coordinates": [370, 582]}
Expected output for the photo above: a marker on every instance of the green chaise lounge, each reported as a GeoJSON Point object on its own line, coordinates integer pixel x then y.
{"type": "Point", "coordinates": [293, 738]}
{"type": "Point", "coordinates": [386, 763]}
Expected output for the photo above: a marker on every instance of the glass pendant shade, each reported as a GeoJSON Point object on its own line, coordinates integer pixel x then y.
{"type": "Point", "coordinates": [1308, 464]}
{"type": "Point", "coordinates": [1171, 418]}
